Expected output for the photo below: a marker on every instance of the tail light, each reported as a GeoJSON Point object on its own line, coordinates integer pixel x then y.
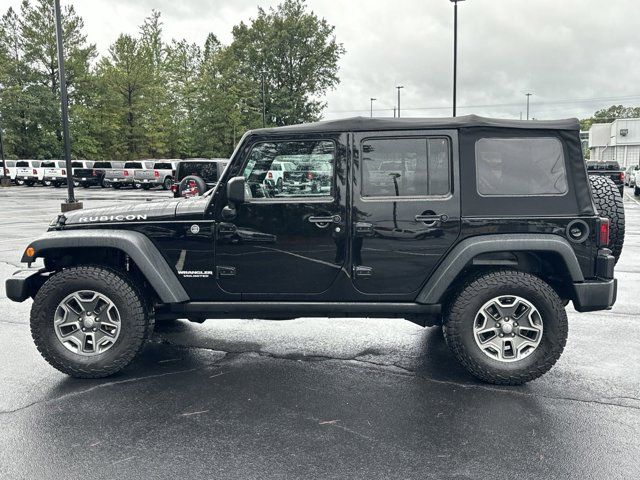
{"type": "Point", "coordinates": [156, 173]}
{"type": "Point", "coordinates": [6, 171]}
{"type": "Point", "coordinates": [126, 173]}
{"type": "Point", "coordinates": [174, 188]}
{"type": "Point", "coordinates": [35, 172]}
{"type": "Point", "coordinates": [94, 173]}
{"type": "Point", "coordinates": [269, 175]}
{"type": "Point", "coordinates": [622, 176]}
{"type": "Point", "coordinates": [64, 172]}
{"type": "Point", "coordinates": [603, 232]}
{"type": "Point", "coordinates": [309, 176]}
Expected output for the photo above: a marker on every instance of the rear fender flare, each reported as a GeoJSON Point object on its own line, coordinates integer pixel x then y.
{"type": "Point", "coordinates": [460, 256]}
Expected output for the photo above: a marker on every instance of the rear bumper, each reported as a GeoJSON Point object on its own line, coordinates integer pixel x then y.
{"type": "Point", "coordinates": [20, 286]}
{"type": "Point", "coordinates": [595, 295]}
{"type": "Point", "coordinates": [51, 178]}
{"type": "Point", "coordinates": [88, 180]}
{"type": "Point", "coordinates": [148, 181]}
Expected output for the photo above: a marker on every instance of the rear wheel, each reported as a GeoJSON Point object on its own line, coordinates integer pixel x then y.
{"type": "Point", "coordinates": [166, 185]}
{"type": "Point", "coordinates": [56, 184]}
{"type": "Point", "coordinates": [85, 185]}
{"type": "Point", "coordinates": [146, 186]}
{"type": "Point", "coordinates": [506, 327]}
{"type": "Point", "coordinates": [609, 203]}
{"type": "Point", "coordinates": [116, 186]}
{"type": "Point", "coordinates": [29, 183]}
{"type": "Point", "coordinates": [89, 322]}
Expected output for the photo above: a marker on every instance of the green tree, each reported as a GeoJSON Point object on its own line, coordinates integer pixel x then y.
{"type": "Point", "coordinates": [609, 114]}
{"type": "Point", "coordinates": [124, 80]}
{"type": "Point", "coordinates": [296, 52]}
{"type": "Point", "coordinates": [37, 25]}
{"type": "Point", "coordinates": [18, 103]}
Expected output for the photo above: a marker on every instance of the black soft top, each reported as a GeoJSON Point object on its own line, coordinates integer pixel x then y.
{"type": "Point", "coordinates": [373, 124]}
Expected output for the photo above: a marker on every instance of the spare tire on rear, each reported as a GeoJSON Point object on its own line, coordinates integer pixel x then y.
{"type": "Point", "coordinates": [192, 186]}
{"type": "Point", "coordinates": [608, 201]}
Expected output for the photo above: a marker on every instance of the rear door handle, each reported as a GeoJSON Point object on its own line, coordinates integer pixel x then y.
{"type": "Point", "coordinates": [332, 219]}
{"type": "Point", "coordinates": [364, 228]}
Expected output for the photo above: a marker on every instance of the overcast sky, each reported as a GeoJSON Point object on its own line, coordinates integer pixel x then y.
{"type": "Point", "coordinates": [574, 56]}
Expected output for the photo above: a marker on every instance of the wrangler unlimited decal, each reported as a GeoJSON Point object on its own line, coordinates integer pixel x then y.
{"type": "Point", "coordinates": [112, 218]}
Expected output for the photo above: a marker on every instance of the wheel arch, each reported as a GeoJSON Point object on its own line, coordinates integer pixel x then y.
{"type": "Point", "coordinates": [549, 253]}
{"type": "Point", "coordinates": [152, 266]}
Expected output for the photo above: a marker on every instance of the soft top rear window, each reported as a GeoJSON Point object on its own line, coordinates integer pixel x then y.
{"type": "Point", "coordinates": [520, 167]}
{"type": "Point", "coordinates": [595, 165]}
{"type": "Point", "coordinates": [208, 171]}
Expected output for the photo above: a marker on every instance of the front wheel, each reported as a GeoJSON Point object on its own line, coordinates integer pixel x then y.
{"type": "Point", "coordinates": [90, 321]}
{"type": "Point", "coordinates": [506, 327]}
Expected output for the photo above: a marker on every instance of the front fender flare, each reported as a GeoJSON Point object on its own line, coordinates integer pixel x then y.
{"type": "Point", "coordinates": [137, 246]}
{"type": "Point", "coordinates": [459, 257]}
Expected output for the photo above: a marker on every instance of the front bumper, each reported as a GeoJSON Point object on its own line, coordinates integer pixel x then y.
{"type": "Point", "coordinates": [20, 286]}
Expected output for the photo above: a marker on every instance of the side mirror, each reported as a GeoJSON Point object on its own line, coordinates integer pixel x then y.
{"type": "Point", "coordinates": [235, 190]}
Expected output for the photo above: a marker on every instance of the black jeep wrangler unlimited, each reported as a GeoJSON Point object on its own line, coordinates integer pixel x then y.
{"type": "Point", "coordinates": [486, 227]}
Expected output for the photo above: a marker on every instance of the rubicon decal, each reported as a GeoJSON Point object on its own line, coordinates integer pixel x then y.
{"type": "Point", "coordinates": [112, 218]}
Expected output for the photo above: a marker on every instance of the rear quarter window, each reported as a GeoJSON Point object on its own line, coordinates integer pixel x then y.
{"type": "Point", "coordinates": [514, 167]}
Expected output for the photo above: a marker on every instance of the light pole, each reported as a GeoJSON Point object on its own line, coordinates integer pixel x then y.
{"type": "Point", "coordinates": [71, 203]}
{"type": "Point", "coordinates": [371, 109]}
{"type": "Point", "coordinates": [264, 104]}
{"type": "Point", "coordinates": [5, 181]}
{"type": "Point", "coordinates": [455, 50]}
{"type": "Point", "coordinates": [528, 95]}
{"type": "Point", "coordinates": [399, 87]}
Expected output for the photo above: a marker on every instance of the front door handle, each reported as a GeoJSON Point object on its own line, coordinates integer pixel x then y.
{"type": "Point", "coordinates": [331, 219]}
{"type": "Point", "coordinates": [431, 220]}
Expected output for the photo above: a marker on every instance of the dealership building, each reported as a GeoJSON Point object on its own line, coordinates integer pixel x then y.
{"type": "Point", "coordinates": [618, 140]}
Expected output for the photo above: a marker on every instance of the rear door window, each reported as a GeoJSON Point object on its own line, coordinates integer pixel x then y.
{"type": "Point", "coordinates": [520, 167]}
{"type": "Point", "coordinates": [405, 167]}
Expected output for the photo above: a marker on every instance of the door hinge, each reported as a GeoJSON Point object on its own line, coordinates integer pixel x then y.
{"type": "Point", "coordinates": [360, 271]}
{"type": "Point", "coordinates": [225, 271]}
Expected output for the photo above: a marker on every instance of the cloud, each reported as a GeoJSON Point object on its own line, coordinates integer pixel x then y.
{"type": "Point", "coordinates": [574, 56]}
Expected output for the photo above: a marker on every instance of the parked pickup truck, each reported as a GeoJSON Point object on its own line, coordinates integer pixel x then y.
{"type": "Point", "coordinates": [10, 169]}
{"type": "Point", "coordinates": [28, 172]}
{"type": "Point", "coordinates": [54, 173]}
{"type": "Point", "coordinates": [312, 176]}
{"type": "Point", "coordinates": [160, 174]}
{"type": "Point", "coordinates": [119, 177]}
{"type": "Point", "coordinates": [610, 169]}
{"type": "Point", "coordinates": [93, 175]}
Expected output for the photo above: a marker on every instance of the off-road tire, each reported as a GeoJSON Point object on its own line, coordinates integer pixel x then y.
{"type": "Point", "coordinates": [473, 294]}
{"type": "Point", "coordinates": [609, 204]}
{"type": "Point", "coordinates": [136, 320]}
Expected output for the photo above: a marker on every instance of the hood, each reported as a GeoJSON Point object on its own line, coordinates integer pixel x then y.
{"type": "Point", "coordinates": [138, 212]}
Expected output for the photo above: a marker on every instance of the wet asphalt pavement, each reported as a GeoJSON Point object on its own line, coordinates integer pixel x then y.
{"type": "Point", "coordinates": [314, 398]}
